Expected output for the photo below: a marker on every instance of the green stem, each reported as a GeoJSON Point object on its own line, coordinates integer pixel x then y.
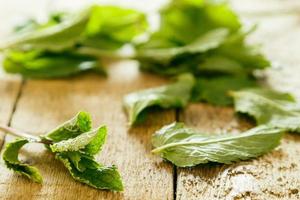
{"type": "Point", "coordinates": [18, 133]}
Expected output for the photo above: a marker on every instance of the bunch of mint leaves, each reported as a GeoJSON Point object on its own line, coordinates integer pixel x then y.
{"type": "Point", "coordinates": [66, 44]}
{"type": "Point", "coordinates": [201, 43]}
{"type": "Point", "coordinates": [206, 40]}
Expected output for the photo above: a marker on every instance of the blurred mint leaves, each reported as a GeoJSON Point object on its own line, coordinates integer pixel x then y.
{"type": "Point", "coordinates": [66, 44]}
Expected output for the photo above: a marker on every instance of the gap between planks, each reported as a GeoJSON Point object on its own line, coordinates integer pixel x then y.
{"type": "Point", "coordinates": [14, 100]}
{"type": "Point", "coordinates": [46, 103]}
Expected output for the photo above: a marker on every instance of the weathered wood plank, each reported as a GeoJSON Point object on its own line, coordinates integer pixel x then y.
{"type": "Point", "coordinates": [9, 90]}
{"type": "Point", "coordinates": [45, 104]}
{"type": "Point", "coordinates": [275, 175]}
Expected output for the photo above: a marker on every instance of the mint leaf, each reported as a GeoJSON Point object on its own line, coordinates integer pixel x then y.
{"type": "Point", "coordinates": [186, 147]}
{"type": "Point", "coordinates": [77, 154]}
{"type": "Point", "coordinates": [77, 125]}
{"type": "Point", "coordinates": [88, 142]}
{"type": "Point", "coordinates": [205, 42]}
{"type": "Point", "coordinates": [182, 22]}
{"type": "Point", "coordinates": [56, 37]}
{"type": "Point", "coordinates": [220, 65]}
{"type": "Point", "coordinates": [237, 49]}
{"type": "Point", "coordinates": [81, 160]}
{"type": "Point", "coordinates": [216, 90]}
{"type": "Point", "coordinates": [98, 177]}
{"type": "Point", "coordinates": [110, 27]}
{"type": "Point", "coordinates": [175, 95]}
{"type": "Point", "coordinates": [10, 156]}
{"type": "Point", "coordinates": [100, 27]}
{"type": "Point", "coordinates": [172, 49]}
{"type": "Point", "coordinates": [95, 145]}
{"type": "Point", "coordinates": [269, 107]}
{"type": "Point", "coordinates": [41, 64]}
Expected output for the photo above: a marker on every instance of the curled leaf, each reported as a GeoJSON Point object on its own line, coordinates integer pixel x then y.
{"type": "Point", "coordinates": [10, 157]}
{"type": "Point", "coordinates": [77, 125]}
{"type": "Point", "coordinates": [98, 177]}
{"type": "Point", "coordinates": [175, 95]}
{"type": "Point", "coordinates": [269, 107]}
{"type": "Point", "coordinates": [88, 142]}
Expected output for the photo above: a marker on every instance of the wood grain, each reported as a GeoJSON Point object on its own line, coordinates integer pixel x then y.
{"type": "Point", "coordinates": [272, 176]}
{"type": "Point", "coordinates": [44, 104]}
{"type": "Point", "coordinates": [275, 175]}
{"type": "Point", "coordinates": [9, 90]}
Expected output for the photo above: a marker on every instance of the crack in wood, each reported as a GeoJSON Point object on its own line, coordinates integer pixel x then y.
{"type": "Point", "coordinates": [14, 108]}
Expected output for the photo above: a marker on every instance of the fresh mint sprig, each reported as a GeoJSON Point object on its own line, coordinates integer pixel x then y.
{"type": "Point", "coordinates": [75, 145]}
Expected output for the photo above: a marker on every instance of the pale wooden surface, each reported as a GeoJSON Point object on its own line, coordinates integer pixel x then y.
{"type": "Point", "coordinates": [272, 176]}
{"type": "Point", "coordinates": [145, 175]}
{"type": "Point", "coordinates": [9, 90]}
{"type": "Point", "coordinates": [42, 104]}
{"type": "Point", "coordinates": [275, 175]}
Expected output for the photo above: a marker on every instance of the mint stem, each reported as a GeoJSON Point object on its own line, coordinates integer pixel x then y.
{"type": "Point", "coordinates": [18, 133]}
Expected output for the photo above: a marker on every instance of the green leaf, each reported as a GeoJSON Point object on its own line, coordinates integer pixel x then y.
{"type": "Point", "coordinates": [186, 147]}
{"type": "Point", "coordinates": [269, 107]}
{"type": "Point", "coordinates": [231, 57]}
{"type": "Point", "coordinates": [99, 177]}
{"type": "Point", "coordinates": [79, 124]}
{"type": "Point", "coordinates": [182, 22]}
{"type": "Point", "coordinates": [10, 156]}
{"type": "Point", "coordinates": [37, 64]}
{"type": "Point", "coordinates": [81, 160]}
{"type": "Point", "coordinates": [249, 56]}
{"type": "Point", "coordinates": [88, 142]}
{"type": "Point", "coordinates": [216, 90]}
{"type": "Point", "coordinates": [77, 154]}
{"type": "Point", "coordinates": [56, 37]}
{"type": "Point", "coordinates": [175, 95]}
{"type": "Point", "coordinates": [217, 64]}
{"type": "Point", "coordinates": [175, 47]}
{"type": "Point", "coordinates": [111, 27]}
{"type": "Point", "coordinates": [205, 42]}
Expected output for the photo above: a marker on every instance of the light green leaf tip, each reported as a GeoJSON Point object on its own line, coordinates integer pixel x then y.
{"type": "Point", "coordinates": [77, 125]}
{"type": "Point", "coordinates": [89, 142]}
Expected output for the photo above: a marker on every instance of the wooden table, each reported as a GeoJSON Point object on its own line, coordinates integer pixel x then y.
{"type": "Point", "coordinates": [37, 106]}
